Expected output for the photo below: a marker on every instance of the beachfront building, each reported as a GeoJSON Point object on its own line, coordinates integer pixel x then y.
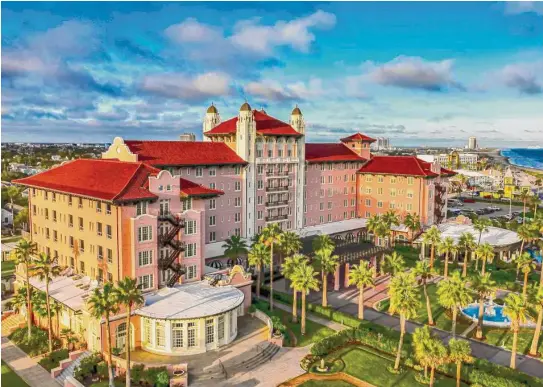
{"type": "Point", "coordinates": [160, 212]}
{"type": "Point", "coordinates": [513, 185]}
{"type": "Point", "coordinates": [454, 160]}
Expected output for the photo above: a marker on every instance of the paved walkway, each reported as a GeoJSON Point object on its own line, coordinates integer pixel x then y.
{"type": "Point", "coordinates": [27, 368]}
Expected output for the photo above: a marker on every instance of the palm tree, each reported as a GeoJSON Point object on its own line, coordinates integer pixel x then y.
{"type": "Point", "coordinates": [288, 269]}
{"type": "Point", "coordinates": [435, 356]}
{"type": "Point", "coordinates": [524, 196]}
{"type": "Point", "coordinates": [459, 352]}
{"type": "Point", "coordinates": [526, 234]}
{"type": "Point", "coordinates": [394, 264]}
{"type": "Point", "coordinates": [467, 242]}
{"type": "Point", "coordinates": [362, 275]}
{"type": "Point", "coordinates": [433, 238]}
{"type": "Point", "coordinates": [234, 247]}
{"type": "Point", "coordinates": [526, 264]}
{"type": "Point", "coordinates": [19, 301]}
{"type": "Point", "coordinates": [412, 222]}
{"type": "Point", "coordinates": [290, 244]}
{"type": "Point", "coordinates": [484, 287]}
{"type": "Point", "coordinates": [46, 269]}
{"type": "Point", "coordinates": [390, 219]}
{"type": "Point", "coordinates": [535, 201]}
{"type": "Point", "coordinates": [259, 256]}
{"type": "Point", "coordinates": [128, 294]}
{"type": "Point", "coordinates": [12, 192]}
{"type": "Point", "coordinates": [404, 300]}
{"type": "Point", "coordinates": [23, 253]}
{"type": "Point", "coordinates": [453, 294]}
{"type": "Point", "coordinates": [271, 236]}
{"type": "Point", "coordinates": [481, 225]}
{"type": "Point", "coordinates": [56, 310]}
{"type": "Point", "coordinates": [516, 308]}
{"type": "Point", "coordinates": [321, 242]}
{"type": "Point", "coordinates": [376, 226]}
{"type": "Point", "coordinates": [447, 247]}
{"type": "Point", "coordinates": [303, 280]}
{"type": "Point", "coordinates": [421, 338]}
{"type": "Point", "coordinates": [39, 302]}
{"type": "Point", "coordinates": [103, 303]}
{"type": "Point", "coordinates": [327, 263]}
{"type": "Point", "coordinates": [425, 273]}
{"type": "Point", "coordinates": [485, 252]}
{"type": "Point", "coordinates": [536, 300]}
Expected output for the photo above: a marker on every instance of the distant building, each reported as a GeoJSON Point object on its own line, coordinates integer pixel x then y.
{"type": "Point", "coordinates": [187, 137]}
{"type": "Point", "coordinates": [454, 160]}
{"type": "Point", "coordinates": [472, 143]}
{"type": "Point", "coordinates": [7, 218]}
{"type": "Point", "coordinates": [381, 143]}
{"type": "Point", "coordinates": [55, 157]}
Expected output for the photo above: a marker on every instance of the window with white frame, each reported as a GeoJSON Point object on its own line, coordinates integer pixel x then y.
{"type": "Point", "coordinates": [190, 227]}
{"type": "Point", "coordinates": [260, 184]}
{"type": "Point", "coordinates": [259, 199]}
{"type": "Point", "coordinates": [410, 180]}
{"type": "Point", "coordinates": [192, 334]}
{"type": "Point", "coordinates": [237, 202]}
{"type": "Point", "coordinates": [221, 327]}
{"type": "Point", "coordinates": [410, 194]}
{"type": "Point", "coordinates": [141, 208]}
{"type": "Point", "coordinates": [212, 236]}
{"type": "Point", "coordinates": [210, 330]}
{"type": "Point", "coordinates": [145, 233]}
{"type": "Point", "coordinates": [212, 172]}
{"type": "Point", "coordinates": [380, 204]}
{"type": "Point", "coordinates": [190, 250]}
{"type": "Point", "coordinates": [237, 217]}
{"type": "Point", "coordinates": [199, 172]}
{"type": "Point", "coordinates": [368, 202]}
{"type": "Point", "coordinates": [147, 335]}
{"type": "Point", "coordinates": [212, 220]}
{"type": "Point", "coordinates": [145, 257]}
{"type": "Point", "coordinates": [145, 281]}
{"type": "Point", "coordinates": [187, 204]}
{"type": "Point", "coordinates": [160, 334]}
{"type": "Point", "coordinates": [259, 215]}
{"type": "Point", "coordinates": [177, 335]}
{"type": "Point", "coordinates": [237, 186]}
{"type": "Point", "coordinates": [212, 204]}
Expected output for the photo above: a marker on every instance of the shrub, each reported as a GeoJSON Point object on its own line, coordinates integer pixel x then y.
{"type": "Point", "coordinates": [150, 374]}
{"type": "Point", "coordinates": [162, 379]}
{"type": "Point", "coordinates": [38, 343]}
{"type": "Point", "coordinates": [102, 370]}
{"type": "Point", "coordinates": [87, 367]}
{"type": "Point", "coordinates": [53, 359]}
{"type": "Point", "coordinates": [137, 373]}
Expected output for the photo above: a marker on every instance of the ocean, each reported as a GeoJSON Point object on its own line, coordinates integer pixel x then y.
{"type": "Point", "coordinates": [525, 157]}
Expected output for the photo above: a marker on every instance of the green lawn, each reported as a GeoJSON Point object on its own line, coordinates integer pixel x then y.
{"type": "Point", "coordinates": [10, 378]}
{"type": "Point", "coordinates": [314, 331]}
{"type": "Point", "coordinates": [371, 367]}
{"type": "Point", "coordinates": [105, 383]}
{"type": "Point", "coordinates": [326, 383]}
{"type": "Point", "coordinates": [504, 337]}
{"type": "Point", "coordinates": [440, 315]}
{"type": "Point", "coordinates": [8, 268]}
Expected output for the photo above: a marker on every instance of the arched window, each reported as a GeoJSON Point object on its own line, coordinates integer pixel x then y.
{"type": "Point", "coordinates": [120, 336]}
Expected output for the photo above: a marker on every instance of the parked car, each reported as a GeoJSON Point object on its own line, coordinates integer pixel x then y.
{"type": "Point", "coordinates": [468, 200]}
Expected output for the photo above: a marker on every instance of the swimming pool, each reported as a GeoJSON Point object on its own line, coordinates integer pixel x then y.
{"type": "Point", "coordinates": [492, 315]}
{"type": "Point", "coordinates": [535, 255]}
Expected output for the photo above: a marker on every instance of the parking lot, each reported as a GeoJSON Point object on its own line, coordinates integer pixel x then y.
{"type": "Point", "coordinates": [504, 208]}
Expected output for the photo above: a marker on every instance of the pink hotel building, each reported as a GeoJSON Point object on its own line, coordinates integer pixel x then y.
{"type": "Point", "coordinates": [160, 211]}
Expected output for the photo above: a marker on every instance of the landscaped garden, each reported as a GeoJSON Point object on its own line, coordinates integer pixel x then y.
{"type": "Point", "coordinates": [38, 343]}
{"type": "Point", "coordinates": [10, 378]}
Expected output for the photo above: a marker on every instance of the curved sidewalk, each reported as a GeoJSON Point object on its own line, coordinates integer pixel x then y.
{"type": "Point", "coordinates": [32, 373]}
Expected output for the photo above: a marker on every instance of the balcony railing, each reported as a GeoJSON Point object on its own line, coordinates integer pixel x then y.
{"type": "Point", "coordinates": [277, 203]}
{"type": "Point", "coordinates": [277, 174]}
{"type": "Point", "coordinates": [276, 217]}
{"type": "Point", "coordinates": [277, 188]}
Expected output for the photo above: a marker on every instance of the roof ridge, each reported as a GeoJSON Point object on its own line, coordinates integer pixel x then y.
{"type": "Point", "coordinates": [123, 190]}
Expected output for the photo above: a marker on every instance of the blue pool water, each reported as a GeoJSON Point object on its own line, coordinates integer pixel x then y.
{"type": "Point", "coordinates": [535, 255]}
{"type": "Point", "coordinates": [473, 312]}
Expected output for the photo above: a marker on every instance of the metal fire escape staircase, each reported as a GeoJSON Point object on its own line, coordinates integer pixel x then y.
{"type": "Point", "coordinates": [170, 240]}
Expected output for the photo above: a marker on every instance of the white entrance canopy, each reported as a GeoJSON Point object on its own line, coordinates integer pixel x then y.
{"type": "Point", "coordinates": [497, 237]}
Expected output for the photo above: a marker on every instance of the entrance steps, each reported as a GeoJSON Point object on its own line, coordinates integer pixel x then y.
{"type": "Point", "coordinates": [69, 371]}
{"type": "Point", "coordinates": [11, 323]}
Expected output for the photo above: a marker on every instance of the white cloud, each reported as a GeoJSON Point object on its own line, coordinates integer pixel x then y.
{"type": "Point", "coordinates": [415, 73]}
{"type": "Point", "coordinates": [274, 91]}
{"type": "Point", "coordinates": [518, 7]}
{"type": "Point", "coordinates": [192, 31]}
{"type": "Point", "coordinates": [187, 88]}
{"type": "Point", "coordinates": [523, 77]}
{"type": "Point", "coordinates": [295, 33]}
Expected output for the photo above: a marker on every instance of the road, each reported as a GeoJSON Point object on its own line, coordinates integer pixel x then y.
{"type": "Point", "coordinates": [477, 205]}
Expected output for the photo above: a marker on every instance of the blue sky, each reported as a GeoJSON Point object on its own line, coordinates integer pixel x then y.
{"type": "Point", "coordinates": [419, 73]}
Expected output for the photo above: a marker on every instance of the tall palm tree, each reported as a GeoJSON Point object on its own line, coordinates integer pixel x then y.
{"type": "Point", "coordinates": [271, 236]}
{"type": "Point", "coordinates": [376, 226]}
{"type": "Point", "coordinates": [432, 237]}
{"type": "Point", "coordinates": [535, 202]}
{"type": "Point", "coordinates": [39, 302]}
{"type": "Point", "coordinates": [23, 252]}
{"type": "Point", "coordinates": [447, 246]}
{"type": "Point", "coordinates": [45, 268]}
{"type": "Point", "coordinates": [103, 303]}
{"type": "Point", "coordinates": [404, 300]}
{"type": "Point", "coordinates": [484, 287]}
{"type": "Point", "coordinates": [328, 264]}
{"type": "Point", "coordinates": [524, 196]}
{"type": "Point", "coordinates": [234, 247]}
{"type": "Point", "coordinates": [425, 273]}
{"type": "Point", "coordinates": [56, 311]}
{"type": "Point", "coordinates": [536, 300]}
{"type": "Point", "coordinates": [453, 294]}
{"type": "Point", "coordinates": [485, 253]}
{"type": "Point", "coordinates": [526, 264]}
{"type": "Point", "coordinates": [362, 276]}
{"type": "Point", "coordinates": [303, 280]}
{"type": "Point", "coordinates": [18, 301]}
{"type": "Point", "coordinates": [288, 269]}
{"type": "Point", "coordinates": [527, 234]}
{"type": "Point", "coordinates": [481, 225]}
{"type": "Point", "coordinates": [259, 256]}
{"type": "Point", "coordinates": [459, 352]}
{"type": "Point", "coordinates": [390, 219]}
{"type": "Point", "coordinates": [466, 242]}
{"type": "Point", "coordinates": [321, 242]}
{"type": "Point", "coordinates": [435, 356]}
{"type": "Point", "coordinates": [394, 264]}
{"type": "Point", "coordinates": [12, 192]}
{"type": "Point", "coordinates": [516, 308]}
{"type": "Point", "coordinates": [128, 294]}
{"type": "Point", "coordinates": [412, 222]}
{"type": "Point", "coordinates": [421, 339]}
{"type": "Point", "coordinates": [290, 244]}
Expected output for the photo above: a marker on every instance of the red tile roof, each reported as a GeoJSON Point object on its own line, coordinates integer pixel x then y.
{"type": "Point", "coordinates": [165, 153]}
{"type": "Point", "coordinates": [398, 165]}
{"type": "Point", "coordinates": [358, 137]}
{"type": "Point", "coordinates": [447, 172]}
{"type": "Point", "coordinates": [265, 125]}
{"type": "Point", "coordinates": [328, 152]}
{"type": "Point", "coordinates": [109, 180]}
{"type": "Point", "coordinates": [190, 188]}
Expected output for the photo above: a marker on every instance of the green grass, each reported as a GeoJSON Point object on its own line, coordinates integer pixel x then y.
{"type": "Point", "coordinates": [371, 367]}
{"type": "Point", "coordinates": [105, 383]}
{"type": "Point", "coordinates": [504, 337]}
{"type": "Point", "coordinates": [8, 268]}
{"type": "Point", "coordinates": [440, 315]}
{"type": "Point", "coordinates": [10, 378]}
{"type": "Point", "coordinates": [326, 383]}
{"type": "Point", "coordinates": [313, 331]}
